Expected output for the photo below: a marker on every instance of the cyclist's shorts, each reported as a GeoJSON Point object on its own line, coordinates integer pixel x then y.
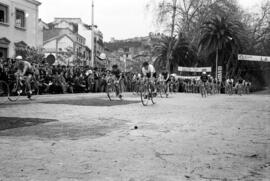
{"type": "Point", "coordinates": [148, 75]}
{"type": "Point", "coordinates": [29, 72]}
{"type": "Point", "coordinates": [204, 81]}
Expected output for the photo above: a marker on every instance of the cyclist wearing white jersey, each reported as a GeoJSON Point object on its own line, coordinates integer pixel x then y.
{"type": "Point", "coordinates": [25, 71]}
{"type": "Point", "coordinates": [148, 70]}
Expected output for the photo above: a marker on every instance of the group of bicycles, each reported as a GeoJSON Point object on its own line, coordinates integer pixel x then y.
{"type": "Point", "coordinates": [148, 89]}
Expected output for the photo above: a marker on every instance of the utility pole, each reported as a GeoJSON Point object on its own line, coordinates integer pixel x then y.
{"type": "Point", "coordinates": [93, 37]}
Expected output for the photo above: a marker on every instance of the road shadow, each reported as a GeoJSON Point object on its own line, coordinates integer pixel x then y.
{"type": "Point", "coordinates": [92, 102]}
{"type": "Point", "coordinates": [15, 122]}
{"type": "Point", "coordinates": [57, 131]}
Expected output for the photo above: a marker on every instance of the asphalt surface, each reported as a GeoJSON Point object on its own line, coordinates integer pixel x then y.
{"type": "Point", "coordinates": [183, 137]}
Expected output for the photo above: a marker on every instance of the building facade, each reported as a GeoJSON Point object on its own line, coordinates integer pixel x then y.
{"type": "Point", "coordinates": [71, 29]}
{"type": "Point", "coordinates": [66, 45]}
{"type": "Point", "coordinates": [19, 26]}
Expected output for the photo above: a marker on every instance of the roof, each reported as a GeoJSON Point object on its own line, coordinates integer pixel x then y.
{"type": "Point", "coordinates": [58, 37]}
{"type": "Point", "coordinates": [35, 2]}
{"type": "Point", "coordinates": [49, 34]}
{"type": "Point", "coordinates": [4, 40]}
{"type": "Point", "coordinates": [69, 20]}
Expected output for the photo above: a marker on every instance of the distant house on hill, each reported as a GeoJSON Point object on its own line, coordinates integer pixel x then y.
{"type": "Point", "coordinates": [133, 51]}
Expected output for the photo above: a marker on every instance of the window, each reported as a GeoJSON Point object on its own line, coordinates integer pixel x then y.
{"type": "Point", "coordinates": [20, 19]}
{"type": "Point", "coordinates": [3, 14]}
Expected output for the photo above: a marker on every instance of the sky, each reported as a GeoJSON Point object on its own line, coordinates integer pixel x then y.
{"type": "Point", "coordinates": [120, 19]}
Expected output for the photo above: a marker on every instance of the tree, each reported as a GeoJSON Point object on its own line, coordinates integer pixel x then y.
{"type": "Point", "coordinates": [30, 54]}
{"type": "Point", "coordinates": [182, 55]}
{"type": "Point", "coordinates": [220, 34]}
{"type": "Point", "coordinates": [161, 51]}
{"type": "Point", "coordinates": [185, 17]}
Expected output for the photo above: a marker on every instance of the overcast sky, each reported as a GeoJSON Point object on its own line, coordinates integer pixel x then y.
{"type": "Point", "coordinates": [115, 18]}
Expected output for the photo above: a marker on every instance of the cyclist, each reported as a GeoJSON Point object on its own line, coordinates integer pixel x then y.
{"type": "Point", "coordinates": [204, 79]}
{"type": "Point", "coordinates": [239, 86]}
{"type": "Point", "coordinates": [148, 71]}
{"type": "Point", "coordinates": [116, 72]}
{"type": "Point", "coordinates": [167, 79]}
{"type": "Point", "coordinates": [25, 70]}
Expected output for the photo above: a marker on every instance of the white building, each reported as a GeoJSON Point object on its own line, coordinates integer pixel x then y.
{"type": "Point", "coordinates": [83, 30]}
{"type": "Point", "coordinates": [19, 25]}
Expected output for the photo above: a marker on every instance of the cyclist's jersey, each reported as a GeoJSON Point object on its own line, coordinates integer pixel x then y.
{"type": "Point", "coordinates": [116, 73]}
{"type": "Point", "coordinates": [204, 78]}
{"type": "Point", "coordinates": [27, 69]}
{"type": "Point", "coordinates": [165, 75]}
{"type": "Point", "coordinates": [149, 71]}
{"type": "Point", "coordinates": [240, 81]}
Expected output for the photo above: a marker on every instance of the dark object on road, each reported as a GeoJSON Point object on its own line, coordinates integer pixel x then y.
{"type": "Point", "coordinates": [135, 127]}
{"type": "Point", "coordinates": [15, 122]}
{"type": "Point", "coordinates": [253, 156]}
{"type": "Point", "coordinates": [187, 176]}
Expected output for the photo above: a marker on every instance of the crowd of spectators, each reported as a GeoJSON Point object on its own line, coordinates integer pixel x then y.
{"type": "Point", "coordinates": [66, 79]}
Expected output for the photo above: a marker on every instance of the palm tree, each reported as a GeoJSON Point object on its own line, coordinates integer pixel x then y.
{"type": "Point", "coordinates": [183, 54]}
{"type": "Point", "coordinates": [160, 53]}
{"type": "Point", "coordinates": [219, 34]}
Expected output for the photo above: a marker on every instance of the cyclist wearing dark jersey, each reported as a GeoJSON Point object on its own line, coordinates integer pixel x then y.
{"type": "Point", "coordinates": [116, 72]}
{"type": "Point", "coordinates": [204, 77]}
{"type": "Point", "coordinates": [166, 76]}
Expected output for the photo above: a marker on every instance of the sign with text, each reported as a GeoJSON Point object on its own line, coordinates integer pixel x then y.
{"type": "Point", "coordinates": [188, 77]}
{"type": "Point", "coordinates": [194, 69]}
{"type": "Point", "coordinates": [253, 58]}
{"type": "Point", "coordinates": [220, 73]}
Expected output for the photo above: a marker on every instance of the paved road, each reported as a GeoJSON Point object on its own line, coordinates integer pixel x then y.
{"type": "Point", "coordinates": [184, 137]}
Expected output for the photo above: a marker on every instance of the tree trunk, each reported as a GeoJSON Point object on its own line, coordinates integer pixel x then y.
{"type": "Point", "coordinates": [169, 52]}
{"type": "Point", "coordinates": [216, 63]}
{"type": "Point", "coordinates": [228, 66]}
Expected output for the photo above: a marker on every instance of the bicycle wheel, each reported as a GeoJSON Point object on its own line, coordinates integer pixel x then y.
{"type": "Point", "coordinates": [171, 88]}
{"type": "Point", "coordinates": [151, 95]}
{"type": "Point", "coordinates": [144, 95]}
{"type": "Point", "coordinates": [162, 91]}
{"type": "Point", "coordinates": [35, 89]}
{"type": "Point", "coordinates": [110, 91]}
{"type": "Point", "coordinates": [15, 91]}
{"type": "Point", "coordinates": [4, 92]}
{"type": "Point", "coordinates": [204, 92]}
{"type": "Point", "coordinates": [134, 89]}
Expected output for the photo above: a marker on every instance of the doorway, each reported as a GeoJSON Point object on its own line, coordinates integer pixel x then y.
{"type": "Point", "coordinates": [3, 52]}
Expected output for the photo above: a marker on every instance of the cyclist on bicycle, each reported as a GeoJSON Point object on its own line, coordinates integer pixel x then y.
{"type": "Point", "coordinates": [25, 70]}
{"type": "Point", "coordinates": [148, 71]}
{"type": "Point", "coordinates": [204, 78]}
{"type": "Point", "coordinates": [116, 72]}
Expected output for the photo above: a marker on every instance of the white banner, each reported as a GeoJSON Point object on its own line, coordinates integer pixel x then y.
{"type": "Point", "coordinates": [253, 58]}
{"type": "Point", "coordinates": [188, 77]}
{"type": "Point", "coordinates": [194, 69]}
